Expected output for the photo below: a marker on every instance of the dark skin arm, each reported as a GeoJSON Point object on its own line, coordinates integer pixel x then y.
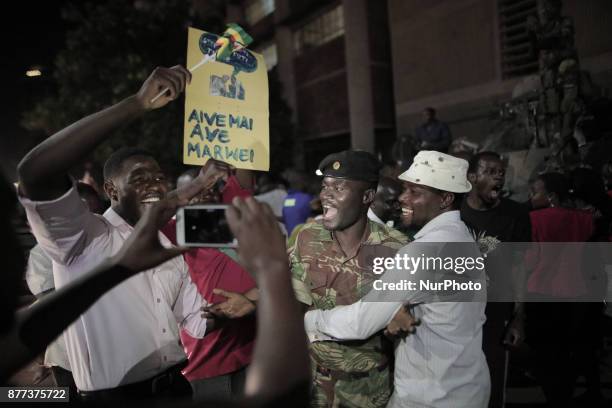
{"type": "Point", "coordinates": [402, 325]}
{"type": "Point", "coordinates": [42, 172]}
{"type": "Point", "coordinates": [245, 178]}
{"type": "Point", "coordinates": [40, 324]}
{"type": "Point", "coordinates": [235, 306]}
{"type": "Point", "coordinates": [515, 332]}
{"type": "Point", "coordinates": [209, 174]}
{"type": "Point", "coordinates": [280, 360]}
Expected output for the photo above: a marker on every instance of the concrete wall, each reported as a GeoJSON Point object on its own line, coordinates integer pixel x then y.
{"type": "Point", "coordinates": [593, 26]}
{"type": "Point", "coordinates": [445, 54]}
{"type": "Point", "coordinates": [321, 90]}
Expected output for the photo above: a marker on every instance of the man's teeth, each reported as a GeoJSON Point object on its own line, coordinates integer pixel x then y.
{"type": "Point", "coordinates": [150, 200]}
{"type": "Point", "coordinates": [495, 191]}
{"type": "Point", "coordinates": [407, 215]}
{"type": "Point", "coordinates": [329, 212]}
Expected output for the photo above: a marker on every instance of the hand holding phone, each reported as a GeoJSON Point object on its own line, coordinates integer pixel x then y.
{"type": "Point", "coordinates": [262, 245]}
{"type": "Point", "coordinates": [204, 226]}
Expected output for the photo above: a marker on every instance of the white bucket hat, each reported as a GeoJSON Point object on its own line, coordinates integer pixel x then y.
{"type": "Point", "coordinates": [438, 170]}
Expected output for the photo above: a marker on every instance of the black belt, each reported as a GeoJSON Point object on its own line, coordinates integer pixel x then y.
{"type": "Point", "coordinates": [163, 382]}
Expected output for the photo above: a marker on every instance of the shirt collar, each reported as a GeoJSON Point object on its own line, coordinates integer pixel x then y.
{"type": "Point", "coordinates": [448, 217]}
{"type": "Point", "coordinates": [372, 215]}
{"type": "Point", "coordinates": [374, 234]}
{"type": "Point", "coordinates": [115, 219]}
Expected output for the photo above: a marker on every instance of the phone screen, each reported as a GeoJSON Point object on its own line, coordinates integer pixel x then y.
{"type": "Point", "coordinates": [205, 226]}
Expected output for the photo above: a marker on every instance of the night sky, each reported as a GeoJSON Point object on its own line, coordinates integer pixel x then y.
{"type": "Point", "coordinates": [32, 33]}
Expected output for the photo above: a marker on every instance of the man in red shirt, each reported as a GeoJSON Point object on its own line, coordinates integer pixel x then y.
{"type": "Point", "coordinates": [217, 363]}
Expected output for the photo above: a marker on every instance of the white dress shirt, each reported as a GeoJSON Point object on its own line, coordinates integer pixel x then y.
{"type": "Point", "coordinates": [39, 277]}
{"type": "Point", "coordinates": [275, 199]}
{"type": "Point", "coordinates": [372, 216]}
{"type": "Point", "coordinates": [130, 334]}
{"type": "Point", "coordinates": [440, 366]}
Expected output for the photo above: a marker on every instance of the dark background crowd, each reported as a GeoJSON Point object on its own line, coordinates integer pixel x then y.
{"type": "Point", "coordinates": [537, 142]}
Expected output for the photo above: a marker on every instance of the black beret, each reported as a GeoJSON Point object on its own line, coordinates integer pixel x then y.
{"type": "Point", "coordinates": [351, 164]}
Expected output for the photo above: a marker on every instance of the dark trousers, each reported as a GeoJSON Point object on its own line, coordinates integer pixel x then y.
{"type": "Point", "coordinates": [493, 332]}
{"type": "Point", "coordinates": [565, 338]}
{"type": "Point", "coordinates": [63, 378]}
{"type": "Point", "coordinates": [222, 387]}
{"type": "Point", "coordinates": [167, 386]}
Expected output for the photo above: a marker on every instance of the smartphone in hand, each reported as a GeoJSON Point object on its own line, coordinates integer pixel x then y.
{"type": "Point", "coordinates": [204, 225]}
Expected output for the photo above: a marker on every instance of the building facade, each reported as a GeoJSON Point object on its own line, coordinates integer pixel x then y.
{"type": "Point", "coordinates": [465, 57]}
{"type": "Point", "coordinates": [358, 73]}
{"type": "Point", "coordinates": [333, 59]}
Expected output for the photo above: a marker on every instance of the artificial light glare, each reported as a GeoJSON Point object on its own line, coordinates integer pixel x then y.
{"type": "Point", "coordinates": [33, 73]}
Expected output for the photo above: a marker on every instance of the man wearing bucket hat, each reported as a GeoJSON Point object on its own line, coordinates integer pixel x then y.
{"type": "Point", "coordinates": [441, 364]}
{"type": "Point", "coordinates": [332, 264]}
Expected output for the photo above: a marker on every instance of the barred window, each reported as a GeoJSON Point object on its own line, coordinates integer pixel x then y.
{"type": "Point", "coordinates": [517, 55]}
{"type": "Point", "coordinates": [258, 9]}
{"type": "Point", "coordinates": [322, 29]}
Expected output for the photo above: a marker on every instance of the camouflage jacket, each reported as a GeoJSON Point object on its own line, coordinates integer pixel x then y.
{"type": "Point", "coordinates": [323, 278]}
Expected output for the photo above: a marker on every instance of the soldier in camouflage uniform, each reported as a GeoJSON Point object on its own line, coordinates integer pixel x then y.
{"type": "Point", "coordinates": [331, 264]}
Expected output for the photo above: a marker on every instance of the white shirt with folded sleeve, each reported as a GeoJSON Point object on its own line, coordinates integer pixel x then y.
{"type": "Point", "coordinates": [39, 277]}
{"type": "Point", "coordinates": [442, 364]}
{"type": "Point", "coordinates": [132, 332]}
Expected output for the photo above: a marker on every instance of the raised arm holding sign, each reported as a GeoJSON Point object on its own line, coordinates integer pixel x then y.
{"type": "Point", "coordinates": [226, 104]}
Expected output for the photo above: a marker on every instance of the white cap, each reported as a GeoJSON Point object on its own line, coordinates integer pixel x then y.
{"type": "Point", "coordinates": [438, 170]}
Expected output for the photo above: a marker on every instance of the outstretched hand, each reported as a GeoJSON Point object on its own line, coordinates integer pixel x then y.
{"type": "Point", "coordinates": [235, 306]}
{"type": "Point", "coordinates": [142, 250]}
{"type": "Point", "coordinates": [213, 171]}
{"type": "Point", "coordinates": [210, 173]}
{"type": "Point", "coordinates": [173, 79]}
{"type": "Point", "coordinates": [261, 245]}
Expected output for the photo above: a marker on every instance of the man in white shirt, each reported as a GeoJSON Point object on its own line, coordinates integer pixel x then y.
{"type": "Point", "coordinates": [271, 191]}
{"type": "Point", "coordinates": [126, 345]}
{"type": "Point", "coordinates": [442, 364]}
{"type": "Point", "coordinates": [39, 277]}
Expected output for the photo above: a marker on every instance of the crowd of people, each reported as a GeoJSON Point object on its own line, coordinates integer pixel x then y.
{"type": "Point", "coordinates": [124, 315]}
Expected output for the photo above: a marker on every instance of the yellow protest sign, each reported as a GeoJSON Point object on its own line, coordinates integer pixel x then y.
{"type": "Point", "coordinates": [226, 104]}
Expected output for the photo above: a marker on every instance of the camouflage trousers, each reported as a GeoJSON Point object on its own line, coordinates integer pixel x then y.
{"type": "Point", "coordinates": [373, 390]}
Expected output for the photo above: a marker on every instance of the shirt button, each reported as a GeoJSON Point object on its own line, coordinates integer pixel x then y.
{"type": "Point", "coordinates": [158, 300]}
{"type": "Point", "coordinates": [163, 330]}
{"type": "Point", "coordinates": [165, 358]}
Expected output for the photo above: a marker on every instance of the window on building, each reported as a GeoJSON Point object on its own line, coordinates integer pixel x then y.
{"type": "Point", "coordinates": [322, 29]}
{"type": "Point", "coordinates": [517, 55]}
{"type": "Point", "coordinates": [269, 54]}
{"type": "Point", "coordinates": [258, 9]}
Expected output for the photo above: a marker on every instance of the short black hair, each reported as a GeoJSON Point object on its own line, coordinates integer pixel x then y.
{"type": "Point", "coordinates": [556, 183]}
{"type": "Point", "coordinates": [456, 205]}
{"type": "Point", "coordinates": [114, 162]}
{"type": "Point", "coordinates": [457, 201]}
{"type": "Point", "coordinates": [430, 110]}
{"type": "Point", "coordinates": [475, 160]}
{"type": "Point", "coordinates": [587, 185]}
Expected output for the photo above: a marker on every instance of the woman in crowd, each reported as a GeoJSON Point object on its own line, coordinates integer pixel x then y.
{"type": "Point", "coordinates": [563, 328]}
